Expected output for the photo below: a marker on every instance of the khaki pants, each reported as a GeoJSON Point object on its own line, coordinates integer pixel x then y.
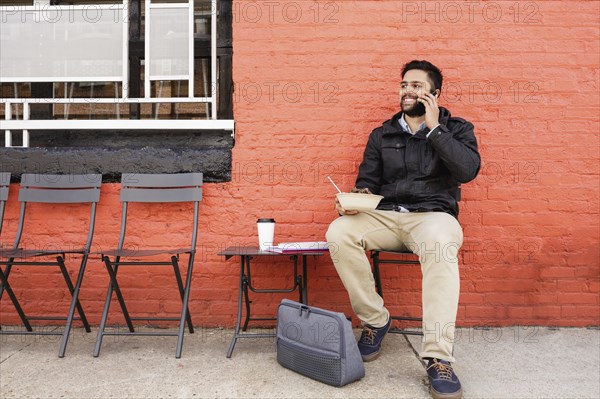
{"type": "Point", "coordinates": [434, 236]}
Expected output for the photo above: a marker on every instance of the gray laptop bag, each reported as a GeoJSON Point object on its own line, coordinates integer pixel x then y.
{"type": "Point", "coordinates": [317, 343]}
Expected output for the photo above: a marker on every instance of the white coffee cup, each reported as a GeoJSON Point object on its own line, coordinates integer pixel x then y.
{"type": "Point", "coordinates": [266, 232]}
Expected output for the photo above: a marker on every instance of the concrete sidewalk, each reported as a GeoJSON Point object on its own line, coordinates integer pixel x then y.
{"type": "Point", "coordinates": [518, 362]}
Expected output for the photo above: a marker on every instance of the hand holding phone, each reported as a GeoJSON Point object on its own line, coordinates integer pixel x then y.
{"type": "Point", "coordinates": [432, 110]}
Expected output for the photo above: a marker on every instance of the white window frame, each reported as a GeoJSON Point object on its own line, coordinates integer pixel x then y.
{"type": "Point", "coordinates": [27, 124]}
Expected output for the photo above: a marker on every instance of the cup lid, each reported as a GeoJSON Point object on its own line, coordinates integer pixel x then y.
{"type": "Point", "coordinates": [265, 221]}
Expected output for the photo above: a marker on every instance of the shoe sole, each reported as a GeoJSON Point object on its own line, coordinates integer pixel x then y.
{"type": "Point", "coordinates": [371, 357]}
{"type": "Point", "coordinates": [438, 395]}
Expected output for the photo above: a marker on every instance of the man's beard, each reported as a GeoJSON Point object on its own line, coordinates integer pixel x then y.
{"type": "Point", "coordinates": [417, 109]}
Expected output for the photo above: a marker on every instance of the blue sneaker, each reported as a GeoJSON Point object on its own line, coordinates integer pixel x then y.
{"type": "Point", "coordinates": [444, 383]}
{"type": "Point", "coordinates": [369, 343]}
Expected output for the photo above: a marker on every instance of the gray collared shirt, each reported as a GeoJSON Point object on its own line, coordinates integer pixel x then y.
{"type": "Point", "coordinates": [404, 125]}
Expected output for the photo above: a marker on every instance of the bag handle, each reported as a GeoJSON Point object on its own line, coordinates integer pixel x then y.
{"type": "Point", "coordinates": [304, 308]}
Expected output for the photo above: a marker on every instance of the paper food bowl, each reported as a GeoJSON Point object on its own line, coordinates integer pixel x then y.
{"type": "Point", "coordinates": [358, 201]}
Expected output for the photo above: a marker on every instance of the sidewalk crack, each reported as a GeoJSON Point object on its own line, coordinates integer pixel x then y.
{"type": "Point", "coordinates": [14, 353]}
{"type": "Point", "coordinates": [415, 351]}
{"type": "Point", "coordinates": [21, 349]}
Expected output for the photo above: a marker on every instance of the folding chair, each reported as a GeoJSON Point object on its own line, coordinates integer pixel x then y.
{"type": "Point", "coordinates": [4, 185]}
{"type": "Point", "coordinates": [153, 188]}
{"type": "Point", "coordinates": [52, 189]}
{"type": "Point", "coordinates": [401, 258]}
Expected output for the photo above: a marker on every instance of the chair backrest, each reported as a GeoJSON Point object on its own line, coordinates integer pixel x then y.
{"type": "Point", "coordinates": [66, 189]}
{"type": "Point", "coordinates": [4, 185]}
{"type": "Point", "coordinates": [157, 188]}
{"type": "Point", "coordinates": [182, 187]}
{"type": "Point", "coordinates": [59, 189]}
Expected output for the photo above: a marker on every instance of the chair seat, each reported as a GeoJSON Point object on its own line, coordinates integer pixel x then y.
{"type": "Point", "coordinates": [21, 253]}
{"type": "Point", "coordinates": [391, 251]}
{"type": "Point", "coordinates": [132, 253]}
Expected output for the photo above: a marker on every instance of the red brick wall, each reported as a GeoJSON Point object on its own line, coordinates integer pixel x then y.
{"type": "Point", "coordinates": [312, 80]}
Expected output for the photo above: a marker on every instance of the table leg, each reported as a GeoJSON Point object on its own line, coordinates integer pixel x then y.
{"type": "Point", "coordinates": [245, 283]}
{"type": "Point", "coordinates": [304, 281]}
{"type": "Point", "coordinates": [239, 315]}
{"type": "Point", "coordinates": [298, 279]}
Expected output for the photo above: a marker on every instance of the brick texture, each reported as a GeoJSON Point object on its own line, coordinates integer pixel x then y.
{"type": "Point", "coordinates": [312, 79]}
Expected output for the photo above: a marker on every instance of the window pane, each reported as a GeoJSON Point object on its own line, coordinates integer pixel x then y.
{"type": "Point", "coordinates": [169, 42]}
{"type": "Point", "coordinates": [57, 47]}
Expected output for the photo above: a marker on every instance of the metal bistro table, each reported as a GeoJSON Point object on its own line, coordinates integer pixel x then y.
{"type": "Point", "coordinates": [246, 254]}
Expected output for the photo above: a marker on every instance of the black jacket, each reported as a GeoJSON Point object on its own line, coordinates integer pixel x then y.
{"type": "Point", "coordinates": [418, 173]}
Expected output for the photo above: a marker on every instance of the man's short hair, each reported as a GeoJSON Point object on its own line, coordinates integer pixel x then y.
{"type": "Point", "coordinates": [433, 73]}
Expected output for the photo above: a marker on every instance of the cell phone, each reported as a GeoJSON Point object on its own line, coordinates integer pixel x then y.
{"type": "Point", "coordinates": [433, 91]}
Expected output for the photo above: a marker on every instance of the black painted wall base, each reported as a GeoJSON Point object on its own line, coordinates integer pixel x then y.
{"type": "Point", "coordinates": [113, 153]}
{"type": "Point", "coordinates": [215, 163]}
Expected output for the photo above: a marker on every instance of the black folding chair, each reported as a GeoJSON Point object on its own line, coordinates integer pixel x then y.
{"type": "Point", "coordinates": [52, 189]}
{"type": "Point", "coordinates": [156, 188]}
{"type": "Point", "coordinates": [400, 258]}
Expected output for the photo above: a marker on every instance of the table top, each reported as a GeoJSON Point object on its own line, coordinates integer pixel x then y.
{"type": "Point", "coordinates": [239, 250]}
